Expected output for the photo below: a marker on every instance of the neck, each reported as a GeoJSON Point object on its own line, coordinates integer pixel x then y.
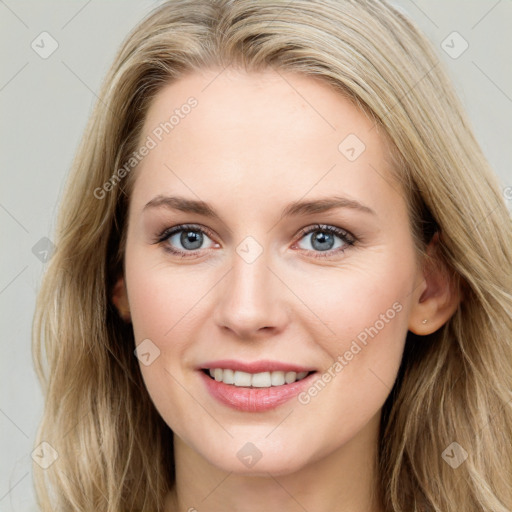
{"type": "Point", "coordinates": [344, 480]}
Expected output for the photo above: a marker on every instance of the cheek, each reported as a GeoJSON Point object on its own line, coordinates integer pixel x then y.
{"type": "Point", "coordinates": [160, 305]}
{"type": "Point", "coordinates": [366, 309]}
{"type": "Point", "coordinates": [162, 299]}
{"type": "Point", "coordinates": [365, 298]}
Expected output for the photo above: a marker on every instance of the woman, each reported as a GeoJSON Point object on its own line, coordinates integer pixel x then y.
{"type": "Point", "coordinates": [282, 276]}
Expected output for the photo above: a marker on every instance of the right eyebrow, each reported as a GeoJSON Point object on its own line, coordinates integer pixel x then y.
{"type": "Point", "coordinates": [182, 204]}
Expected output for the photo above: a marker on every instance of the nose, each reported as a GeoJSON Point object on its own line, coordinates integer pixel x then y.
{"type": "Point", "coordinates": [251, 301]}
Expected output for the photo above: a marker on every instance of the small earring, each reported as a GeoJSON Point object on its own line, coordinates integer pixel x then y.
{"type": "Point", "coordinates": [424, 321]}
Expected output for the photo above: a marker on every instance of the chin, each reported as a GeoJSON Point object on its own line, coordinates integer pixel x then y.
{"type": "Point", "coordinates": [273, 465]}
{"type": "Point", "coordinates": [258, 457]}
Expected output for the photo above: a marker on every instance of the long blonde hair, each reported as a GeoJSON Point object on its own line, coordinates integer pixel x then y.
{"type": "Point", "coordinates": [114, 450]}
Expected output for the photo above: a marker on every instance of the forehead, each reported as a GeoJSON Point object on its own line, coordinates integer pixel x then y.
{"type": "Point", "coordinates": [257, 133]}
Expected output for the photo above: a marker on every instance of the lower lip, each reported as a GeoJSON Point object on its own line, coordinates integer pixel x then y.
{"type": "Point", "coordinates": [254, 399]}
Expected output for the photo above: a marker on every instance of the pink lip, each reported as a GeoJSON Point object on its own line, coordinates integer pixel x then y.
{"type": "Point", "coordinates": [254, 399]}
{"type": "Point", "coordinates": [255, 366]}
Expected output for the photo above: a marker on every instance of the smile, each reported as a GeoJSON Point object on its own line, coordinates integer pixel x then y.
{"type": "Point", "coordinates": [254, 387]}
{"type": "Point", "coordinates": [255, 380]}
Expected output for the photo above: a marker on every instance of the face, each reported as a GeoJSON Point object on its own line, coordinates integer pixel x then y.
{"type": "Point", "coordinates": [267, 242]}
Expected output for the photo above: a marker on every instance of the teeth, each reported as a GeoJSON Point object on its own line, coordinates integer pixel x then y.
{"type": "Point", "coordinates": [242, 378]}
{"type": "Point", "coordinates": [290, 377]}
{"type": "Point", "coordinates": [256, 380]}
{"type": "Point", "coordinates": [228, 376]}
{"type": "Point", "coordinates": [261, 380]}
{"type": "Point", "coordinates": [277, 378]}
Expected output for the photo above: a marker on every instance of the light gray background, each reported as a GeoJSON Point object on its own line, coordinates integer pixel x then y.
{"type": "Point", "coordinates": [44, 106]}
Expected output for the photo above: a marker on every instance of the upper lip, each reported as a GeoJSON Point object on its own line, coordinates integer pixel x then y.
{"type": "Point", "coordinates": [255, 366]}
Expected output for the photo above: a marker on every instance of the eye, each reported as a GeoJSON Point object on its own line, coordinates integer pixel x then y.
{"type": "Point", "coordinates": [186, 239]}
{"type": "Point", "coordinates": [326, 239]}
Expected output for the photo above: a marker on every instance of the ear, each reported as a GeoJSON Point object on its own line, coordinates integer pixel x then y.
{"type": "Point", "coordinates": [120, 299]}
{"type": "Point", "coordinates": [437, 296]}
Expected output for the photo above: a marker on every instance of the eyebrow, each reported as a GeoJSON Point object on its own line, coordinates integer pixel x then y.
{"type": "Point", "coordinates": [297, 208]}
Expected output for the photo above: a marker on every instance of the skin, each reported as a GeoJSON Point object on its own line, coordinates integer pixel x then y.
{"type": "Point", "coordinates": [255, 143]}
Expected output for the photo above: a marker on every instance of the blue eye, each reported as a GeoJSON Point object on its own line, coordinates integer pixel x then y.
{"type": "Point", "coordinates": [190, 237]}
{"type": "Point", "coordinates": [190, 240]}
{"type": "Point", "coordinates": [187, 240]}
{"type": "Point", "coordinates": [326, 239]}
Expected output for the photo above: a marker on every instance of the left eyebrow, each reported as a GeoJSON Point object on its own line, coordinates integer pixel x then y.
{"type": "Point", "coordinates": [322, 205]}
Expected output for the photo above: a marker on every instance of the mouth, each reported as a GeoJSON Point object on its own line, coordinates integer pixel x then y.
{"type": "Point", "coordinates": [254, 387]}
{"type": "Point", "coordinates": [266, 379]}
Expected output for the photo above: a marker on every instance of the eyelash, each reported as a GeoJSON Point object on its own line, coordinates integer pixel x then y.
{"type": "Point", "coordinates": [348, 239]}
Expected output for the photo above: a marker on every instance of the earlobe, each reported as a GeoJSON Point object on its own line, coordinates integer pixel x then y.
{"type": "Point", "coordinates": [120, 299]}
{"type": "Point", "coordinates": [438, 297]}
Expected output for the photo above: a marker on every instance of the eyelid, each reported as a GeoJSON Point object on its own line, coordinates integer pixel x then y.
{"type": "Point", "coordinates": [167, 232]}
{"type": "Point", "coordinates": [343, 233]}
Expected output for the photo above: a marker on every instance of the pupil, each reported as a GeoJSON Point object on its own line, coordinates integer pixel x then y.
{"type": "Point", "coordinates": [322, 241]}
{"type": "Point", "coordinates": [191, 239]}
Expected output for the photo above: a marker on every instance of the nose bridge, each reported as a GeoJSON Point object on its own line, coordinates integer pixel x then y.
{"type": "Point", "coordinates": [249, 300]}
